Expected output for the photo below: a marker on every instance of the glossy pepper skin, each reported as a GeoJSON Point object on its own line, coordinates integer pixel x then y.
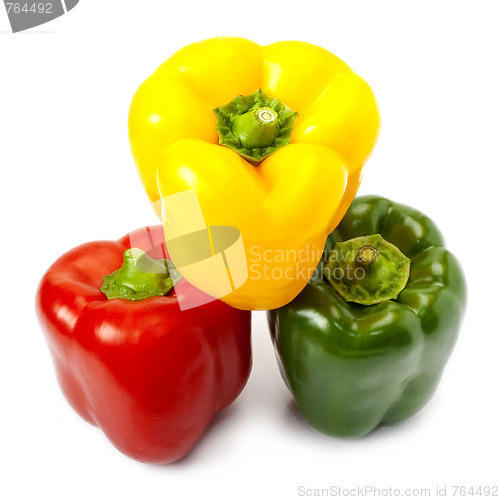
{"type": "Point", "coordinates": [280, 206]}
{"type": "Point", "coordinates": [352, 367]}
{"type": "Point", "coordinates": [148, 374]}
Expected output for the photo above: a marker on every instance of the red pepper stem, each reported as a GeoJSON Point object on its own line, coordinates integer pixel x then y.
{"type": "Point", "coordinates": [138, 278]}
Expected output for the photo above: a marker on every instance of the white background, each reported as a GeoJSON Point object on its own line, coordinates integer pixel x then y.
{"type": "Point", "coordinates": [67, 177]}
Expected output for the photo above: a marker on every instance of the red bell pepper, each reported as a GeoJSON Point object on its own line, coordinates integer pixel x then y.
{"type": "Point", "coordinates": [149, 374]}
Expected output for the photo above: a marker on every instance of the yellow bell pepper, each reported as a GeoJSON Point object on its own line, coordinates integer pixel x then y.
{"type": "Point", "coordinates": [287, 185]}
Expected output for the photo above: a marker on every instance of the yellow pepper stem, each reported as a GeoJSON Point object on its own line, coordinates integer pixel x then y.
{"type": "Point", "coordinates": [255, 126]}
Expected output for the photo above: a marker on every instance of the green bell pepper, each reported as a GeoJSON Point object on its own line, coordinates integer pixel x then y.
{"type": "Point", "coordinates": [366, 341]}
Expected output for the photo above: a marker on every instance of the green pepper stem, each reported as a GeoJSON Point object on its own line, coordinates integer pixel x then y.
{"type": "Point", "coordinates": [367, 254]}
{"type": "Point", "coordinates": [367, 270]}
